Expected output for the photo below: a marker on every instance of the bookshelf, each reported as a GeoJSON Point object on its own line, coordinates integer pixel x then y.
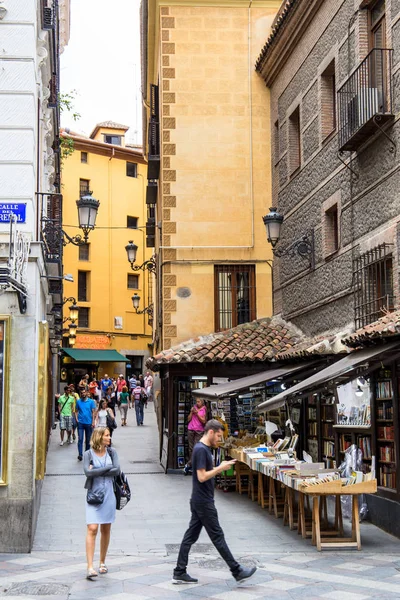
{"type": "Point", "coordinates": [184, 386]}
{"type": "Point", "coordinates": [385, 430]}
{"type": "Point", "coordinates": [328, 416]}
{"type": "Point", "coordinates": [312, 427]}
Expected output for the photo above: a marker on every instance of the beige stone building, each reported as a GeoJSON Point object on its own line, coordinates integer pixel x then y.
{"type": "Point", "coordinates": [207, 122]}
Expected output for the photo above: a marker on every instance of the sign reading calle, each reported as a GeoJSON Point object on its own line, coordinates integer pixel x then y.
{"type": "Point", "coordinates": [9, 208]}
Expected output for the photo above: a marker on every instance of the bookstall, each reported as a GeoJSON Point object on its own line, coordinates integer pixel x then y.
{"type": "Point", "coordinates": [355, 401]}
{"type": "Point", "coordinates": [285, 484]}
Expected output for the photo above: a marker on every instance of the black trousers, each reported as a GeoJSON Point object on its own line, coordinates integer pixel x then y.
{"type": "Point", "coordinates": [204, 515]}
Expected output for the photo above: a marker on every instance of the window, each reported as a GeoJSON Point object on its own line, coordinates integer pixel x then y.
{"type": "Point", "coordinates": [84, 157]}
{"type": "Point", "coordinates": [235, 295]}
{"type": "Point", "coordinates": [112, 139]}
{"type": "Point", "coordinates": [331, 230]}
{"type": "Point", "coordinates": [373, 280]}
{"type": "Point", "coordinates": [83, 318]}
{"type": "Point", "coordinates": [131, 169]}
{"type": "Point", "coordinates": [328, 100]}
{"type": "Point", "coordinates": [294, 141]}
{"type": "Point", "coordinates": [84, 252]}
{"type": "Point", "coordinates": [132, 222]}
{"type": "Point", "coordinates": [83, 286]}
{"type": "Point", "coordinates": [133, 282]}
{"type": "Point", "coordinates": [84, 187]}
{"type": "Point", "coordinates": [276, 141]}
{"type": "Point", "coordinates": [377, 25]}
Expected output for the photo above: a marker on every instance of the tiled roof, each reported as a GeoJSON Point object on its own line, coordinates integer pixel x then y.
{"type": "Point", "coordinates": [108, 125]}
{"type": "Point", "coordinates": [318, 346]}
{"type": "Point", "coordinates": [257, 341]}
{"type": "Point", "coordinates": [387, 326]}
{"type": "Point", "coordinates": [278, 23]}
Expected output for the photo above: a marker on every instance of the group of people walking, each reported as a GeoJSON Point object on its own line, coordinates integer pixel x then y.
{"type": "Point", "coordinates": [95, 406]}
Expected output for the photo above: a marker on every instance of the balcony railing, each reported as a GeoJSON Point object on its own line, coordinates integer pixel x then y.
{"type": "Point", "coordinates": [365, 99]}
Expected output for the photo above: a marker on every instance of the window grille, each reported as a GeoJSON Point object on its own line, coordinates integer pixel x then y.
{"type": "Point", "coordinates": [83, 317]}
{"type": "Point", "coordinates": [235, 295]}
{"type": "Point", "coordinates": [84, 157]}
{"type": "Point", "coordinates": [131, 169]}
{"type": "Point", "coordinates": [373, 281]}
{"type": "Point", "coordinates": [83, 286]}
{"type": "Point", "coordinates": [133, 282]}
{"type": "Point", "coordinates": [84, 252]}
{"type": "Point", "coordinates": [83, 187]}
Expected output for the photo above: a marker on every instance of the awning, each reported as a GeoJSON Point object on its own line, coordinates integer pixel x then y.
{"type": "Point", "coordinates": [218, 391]}
{"type": "Point", "coordinates": [341, 367]}
{"type": "Point", "coordinates": [95, 355]}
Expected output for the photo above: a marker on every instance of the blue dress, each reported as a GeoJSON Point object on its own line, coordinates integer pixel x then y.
{"type": "Point", "coordinates": [105, 512]}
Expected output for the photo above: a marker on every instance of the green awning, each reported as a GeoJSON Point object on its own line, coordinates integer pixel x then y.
{"type": "Point", "coordinates": [95, 355]}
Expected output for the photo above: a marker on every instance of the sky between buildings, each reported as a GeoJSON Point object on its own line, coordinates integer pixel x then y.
{"type": "Point", "coordinates": [102, 63]}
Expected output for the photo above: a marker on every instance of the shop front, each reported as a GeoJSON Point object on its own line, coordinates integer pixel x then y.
{"type": "Point", "coordinates": [75, 363]}
{"type": "Point", "coordinates": [353, 401]}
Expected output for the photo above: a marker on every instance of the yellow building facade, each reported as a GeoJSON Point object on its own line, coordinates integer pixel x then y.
{"type": "Point", "coordinates": [215, 163]}
{"type": "Point", "coordinates": [103, 279]}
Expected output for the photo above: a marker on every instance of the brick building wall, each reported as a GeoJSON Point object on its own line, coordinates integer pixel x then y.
{"type": "Point", "coordinates": [368, 207]}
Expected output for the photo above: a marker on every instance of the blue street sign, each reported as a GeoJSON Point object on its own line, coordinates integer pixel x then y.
{"type": "Point", "coordinates": [7, 208]}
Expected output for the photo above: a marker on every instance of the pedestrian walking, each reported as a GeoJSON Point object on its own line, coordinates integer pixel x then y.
{"type": "Point", "coordinates": [74, 421]}
{"type": "Point", "coordinates": [138, 399]}
{"type": "Point", "coordinates": [132, 385]}
{"type": "Point", "coordinates": [83, 385]}
{"type": "Point", "coordinates": [66, 406]}
{"type": "Point", "coordinates": [196, 421]}
{"type": "Point", "coordinates": [148, 385]}
{"type": "Point", "coordinates": [85, 416]}
{"type": "Point", "coordinates": [110, 397]}
{"type": "Point", "coordinates": [94, 389]}
{"type": "Point", "coordinates": [120, 384]}
{"type": "Point", "coordinates": [105, 384]}
{"type": "Point", "coordinates": [204, 513]}
{"type": "Point", "coordinates": [101, 465]}
{"type": "Point", "coordinates": [123, 405]}
{"type": "Point", "coordinates": [101, 414]}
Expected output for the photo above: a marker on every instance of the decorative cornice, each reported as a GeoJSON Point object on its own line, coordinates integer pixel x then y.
{"type": "Point", "coordinates": [285, 38]}
{"type": "Point", "coordinates": [89, 145]}
{"type": "Point", "coordinates": [3, 11]}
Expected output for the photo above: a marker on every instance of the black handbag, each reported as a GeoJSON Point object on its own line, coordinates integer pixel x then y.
{"type": "Point", "coordinates": [111, 422]}
{"type": "Point", "coordinates": [122, 490]}
{"type": "Point", "coordinates": [96, 497]}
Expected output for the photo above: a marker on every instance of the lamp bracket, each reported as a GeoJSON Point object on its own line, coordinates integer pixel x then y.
{"type": "Point", "coordinates": [149, 310]}
{"type": "Point", "coordinates": [150, 265]}
{"type": "Point", "coordinates": [303, 247]}
{"type": "Point", "coordinates": [76, 240]}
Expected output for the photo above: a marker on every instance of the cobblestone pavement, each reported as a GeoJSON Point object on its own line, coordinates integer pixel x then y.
{"type": "Point", "coordinates": [147, 533]}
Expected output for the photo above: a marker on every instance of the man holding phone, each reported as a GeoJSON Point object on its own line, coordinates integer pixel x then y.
{"type": "Point", "coordinates": [204, 513]}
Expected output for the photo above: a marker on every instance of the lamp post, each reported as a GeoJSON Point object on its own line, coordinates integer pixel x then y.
{"type": "Point", "coordinates": [136, 303]}
{"type": "Point", "coordinates": [87, 214]}
{"type": "Point", "coordinates": [303, 247]}
{"type": "Point", "coordinates": [131, 250]}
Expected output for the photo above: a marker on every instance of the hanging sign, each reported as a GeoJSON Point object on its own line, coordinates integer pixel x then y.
{"type": "Point", "coordinates": [9, 208]}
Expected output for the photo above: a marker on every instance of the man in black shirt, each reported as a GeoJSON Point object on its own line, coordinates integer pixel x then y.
{"type": "Point", "coordinates": [204, 513]}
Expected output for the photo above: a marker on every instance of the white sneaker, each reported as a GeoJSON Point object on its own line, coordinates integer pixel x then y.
{"type": "Point", "coordinates": [62, 444]}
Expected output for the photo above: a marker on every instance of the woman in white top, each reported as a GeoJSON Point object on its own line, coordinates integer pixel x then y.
{"type": "Point", "coordinates": [101, 414]}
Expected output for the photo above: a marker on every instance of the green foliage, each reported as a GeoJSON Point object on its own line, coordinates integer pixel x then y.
{"type": "Point", "coordinates": [67, 104]}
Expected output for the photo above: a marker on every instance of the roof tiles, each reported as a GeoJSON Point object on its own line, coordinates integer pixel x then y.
{"type": "Point", "coordinates": [386, 326]}
{"type": "Point", "coordinates": [257, 341]}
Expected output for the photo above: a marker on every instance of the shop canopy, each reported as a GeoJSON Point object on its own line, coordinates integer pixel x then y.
{"type": "Point", "coordinates": [342, 367]}
{"type": "Point", "coordinates": [95, 355]}
{"type": "Point", "coordinates": [218, 391]}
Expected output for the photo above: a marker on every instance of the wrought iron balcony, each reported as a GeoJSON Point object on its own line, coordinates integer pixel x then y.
{"type": "Point", "coordinates": [365, 99]}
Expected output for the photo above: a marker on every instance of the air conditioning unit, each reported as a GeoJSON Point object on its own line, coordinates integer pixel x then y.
{"type": "Point", "coordinates": [362, 107]}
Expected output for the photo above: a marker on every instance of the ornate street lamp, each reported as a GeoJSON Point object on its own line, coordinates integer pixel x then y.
{"type": "Point", "coordinates": [87, 214]}
{"type": "Point", "coordinates": [136, 303]}
{"type": "Point", "coordinates": [131, 250]}
{"type": "Point", "coordinates": [72, 329]}
{"type": "Point", "coordinates": [303, 247]}
{"type": "Point", "coordinates": [72, 340]}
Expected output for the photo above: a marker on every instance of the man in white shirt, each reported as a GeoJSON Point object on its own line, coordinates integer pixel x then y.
{"type": "Point", "coordinates": [148, 385]}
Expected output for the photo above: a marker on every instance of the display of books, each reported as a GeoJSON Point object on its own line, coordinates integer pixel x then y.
{"type": "Point", "coordinates": [354, 406]}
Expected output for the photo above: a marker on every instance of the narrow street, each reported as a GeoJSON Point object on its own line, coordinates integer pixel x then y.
{"type": "Point", "coordinates": [146, 537]}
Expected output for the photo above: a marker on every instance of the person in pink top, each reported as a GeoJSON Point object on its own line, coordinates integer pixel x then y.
{"type": "Point", "coordinates": [196, 422]}
{"type": "Point", "coordinates": [120, 384]}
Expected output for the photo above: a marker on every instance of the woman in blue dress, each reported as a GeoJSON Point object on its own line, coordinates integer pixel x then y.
{"type": "Point", "coordinates": [101, 465]}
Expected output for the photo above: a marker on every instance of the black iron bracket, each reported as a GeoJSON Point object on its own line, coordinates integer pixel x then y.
{"type": "Point", "coordinates": [339, 155]}
{"type": "Point", "coordinates": [393, 145]}
{"type": "Point", "coordinates": [303, 247]}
